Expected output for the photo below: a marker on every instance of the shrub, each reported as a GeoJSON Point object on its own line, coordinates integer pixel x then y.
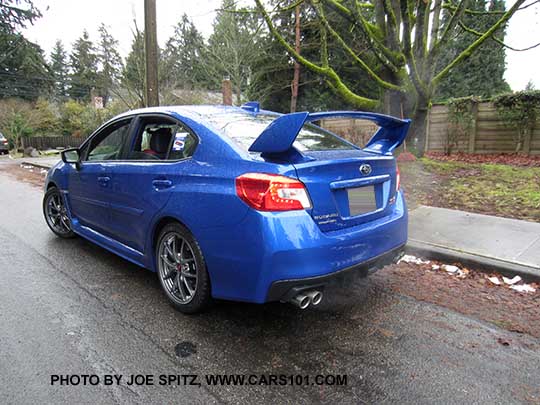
{"type": "Point", "coordinates": [460, 121]}
{"type": "Point", "coordinates": [18, 119]}
{"type": "Point", "coordinates": [47, 118]}
{"type": "Point", "coordinates": [80, 119]}
{"type": "Point", "coordinates": [519, 110]}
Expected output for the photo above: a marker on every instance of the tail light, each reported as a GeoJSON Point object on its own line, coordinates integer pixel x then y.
{"type": "Point", "coordinates": [272, 192]}
{"type": "Point", "coordinates": [398, 178]}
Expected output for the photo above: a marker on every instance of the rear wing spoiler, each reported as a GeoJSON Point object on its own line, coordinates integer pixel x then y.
{"type": "Point", "coordinates": [279, 136]}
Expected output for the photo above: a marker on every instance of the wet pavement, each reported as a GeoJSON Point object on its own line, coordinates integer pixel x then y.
{"type": "Point", "coordinates": [69, 307]}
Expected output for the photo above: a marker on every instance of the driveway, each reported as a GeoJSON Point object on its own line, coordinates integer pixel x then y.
{"type": "Point", "coordinates": [70, 307]}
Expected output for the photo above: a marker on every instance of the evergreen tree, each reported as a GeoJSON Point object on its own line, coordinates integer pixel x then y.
{"type": "Point", "coordinates": [232, 47]}
{"type": "Point", "coordinates": [110, 63]}
{"type": "Point", "coordinates": [83, 61]}
{"type": "Point", "coordinates": [183, 59]}
{"type": "Point", "coordinates": [16, 14]}
{"type": "Point", "coordinates": [482, 74]}
{"type": "Point", "coordinates": [23, 70]}
{"type": "Point", "coordinates": [59, 71]}
{"type": "Point", "coordinates": [134, 72]}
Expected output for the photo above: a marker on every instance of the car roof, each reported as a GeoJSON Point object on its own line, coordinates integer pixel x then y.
{"type": "Point", "coordinates": [204, 115]}
{"type": "Point", "coordinates": [199, 113]}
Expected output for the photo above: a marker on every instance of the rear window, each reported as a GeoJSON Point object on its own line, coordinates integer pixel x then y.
{"type": "Point", "coordinates": [243, 129]}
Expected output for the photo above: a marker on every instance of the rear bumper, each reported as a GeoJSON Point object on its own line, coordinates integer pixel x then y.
{"type": "Point", "coordinates": [254, 259]}
{"type": "Point", "coordinates": [285, 290]}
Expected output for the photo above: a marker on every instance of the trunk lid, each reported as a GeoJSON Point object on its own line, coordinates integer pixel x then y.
{"type": "Point", "coordinates": [348, 188]}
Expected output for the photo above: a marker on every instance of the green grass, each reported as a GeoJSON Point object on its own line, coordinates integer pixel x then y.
{"type": "Point", "coordinates": [495, 189]}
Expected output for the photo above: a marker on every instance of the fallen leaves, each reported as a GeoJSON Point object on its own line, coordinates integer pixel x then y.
{"type": "Point", "coordinates": [512, 284]}
{"type": "Point", "coordinates": [512, 281]}
{"type": "Point", "coordinates": [473, 295]}
{"type": "Point", "coordinates": [515, 283]}
{"type": "Point", "coordinates": [494, 280]}
{"type": "Point", "coordinates": [513, 159]}
{"type": "Point", "coordinates": [412, 259]}
{"type": "Point", "coordinates": [524, 288]}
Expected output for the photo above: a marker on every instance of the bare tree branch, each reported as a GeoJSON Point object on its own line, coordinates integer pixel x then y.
{"type": "Point", "coordinates": [498, 40]}
{"type": "Point", "coordinates": [329, 73]}
{"type": "Point", "coordinates": [435, 24]}
{"type": "Point", "coordinates": [450, 6]}
{"type": "Point", "coordinates": [456, 16]}
{"type": "Point", "coordinates": [381, 52]}
{"type": "Point", "coordinates": [470, 49]}
{"type": "Point", "coordinates": [384, 84]}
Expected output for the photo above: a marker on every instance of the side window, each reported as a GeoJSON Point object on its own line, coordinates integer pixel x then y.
{"type": "Point", "coordinates": [183, 145]}
{"type": "Point", "coordinates": [108, 145]}
{"type": "Point", "coordinates": [160, 139]}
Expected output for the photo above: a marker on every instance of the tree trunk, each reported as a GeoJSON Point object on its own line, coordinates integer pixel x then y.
{"type": "Point", "coordinates": [238, 94]}
{"type": "Point", "coordinates": [392, 103]}
{"type": "Point", "coordinates": [417, 132]}
{"type": "Point", "coordinates": [392, 99]}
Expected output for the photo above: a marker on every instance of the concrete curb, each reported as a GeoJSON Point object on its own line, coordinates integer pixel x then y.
{"type": "Point", "coordinates": [38, 165]}
{"type": "Point", "coordinates": [475, 262]}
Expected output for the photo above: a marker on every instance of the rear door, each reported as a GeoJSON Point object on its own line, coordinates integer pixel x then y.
{"type": "Point", "coordinates": [145, 180]}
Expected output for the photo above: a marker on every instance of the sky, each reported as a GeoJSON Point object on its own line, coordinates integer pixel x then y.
{"type": "Point", "coordinates": [66, 20]}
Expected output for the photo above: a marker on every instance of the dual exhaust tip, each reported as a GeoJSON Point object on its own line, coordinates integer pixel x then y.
{"type": "Point", "coordinates": [307, 298]}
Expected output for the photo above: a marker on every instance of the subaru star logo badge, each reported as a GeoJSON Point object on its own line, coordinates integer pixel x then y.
{"type": "Point", "coordinates": [365, 169]}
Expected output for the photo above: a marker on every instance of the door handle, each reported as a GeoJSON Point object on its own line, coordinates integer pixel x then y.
{"type": "Point", "coordinates": [162, 183]}
{"type": "Point", "coordinates": [104, 180]}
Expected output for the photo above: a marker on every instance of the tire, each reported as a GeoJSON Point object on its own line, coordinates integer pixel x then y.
{"type": "Point", "coordinates": [181, 269]}
{"type": "Point", "coordinates": [56, 215]}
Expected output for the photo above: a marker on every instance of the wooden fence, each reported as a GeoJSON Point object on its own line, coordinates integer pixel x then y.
{"type": "Point", "coordinates": [53, 142]}
{"type": "Point", "coordinates": [487, 134]}
{"type": "Point", "coordinates": [355, 131]}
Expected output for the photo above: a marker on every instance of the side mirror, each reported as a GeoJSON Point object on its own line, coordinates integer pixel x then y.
{"type": "Point", "coordinates": [71, 156]}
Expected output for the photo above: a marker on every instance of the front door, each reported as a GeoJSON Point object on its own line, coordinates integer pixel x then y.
{"type": "Point", "coordinates": [90, 186]}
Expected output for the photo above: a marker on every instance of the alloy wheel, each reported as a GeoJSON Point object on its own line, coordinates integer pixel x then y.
{"type": "Point", "coordinates": [178, 268]}
{"type": "Point", "coordinates": [56, 214]}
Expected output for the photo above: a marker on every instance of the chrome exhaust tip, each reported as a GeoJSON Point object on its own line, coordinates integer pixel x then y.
{"type": "Point", "coordinates": [301, 301]}
{"type": "Point", "coordinates": [315, 297]}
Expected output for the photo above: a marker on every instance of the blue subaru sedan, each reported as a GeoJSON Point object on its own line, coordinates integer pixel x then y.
{"type": "Point", "coordinates": [234, 203]}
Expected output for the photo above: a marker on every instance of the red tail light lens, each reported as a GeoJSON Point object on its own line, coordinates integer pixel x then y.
{"type": "Point", "coordinates": [272, 192]}
{"type": "Point", "coordinates": [398, 178]}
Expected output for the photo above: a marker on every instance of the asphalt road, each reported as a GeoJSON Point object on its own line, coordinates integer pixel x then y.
{"type": "Point", "coordinates": [69, 307]}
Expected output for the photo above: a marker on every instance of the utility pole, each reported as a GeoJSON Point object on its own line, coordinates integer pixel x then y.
{"type": "Point", "coordinates": [296, 77]}
{"type": "Point", "coordinates": [151, 48]}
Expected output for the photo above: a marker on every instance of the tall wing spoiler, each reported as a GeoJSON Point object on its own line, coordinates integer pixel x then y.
{"type": "Point", "coordinates": [279, 136]}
